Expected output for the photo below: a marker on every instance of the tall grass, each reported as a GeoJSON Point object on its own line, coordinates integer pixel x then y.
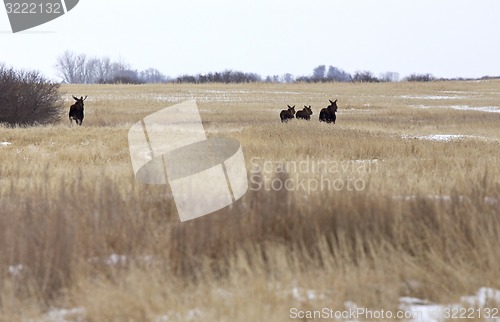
{"type": "Point", "coordinates": [76, 230]}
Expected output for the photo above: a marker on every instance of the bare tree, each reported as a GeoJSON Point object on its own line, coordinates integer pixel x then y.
{"type": "Point", "coordinates": [364, 77]}
{"type": "Point", "coordinates": [389, 77]}
{"type": "Point", "coordinates": [66, 67]}
{"type": "Point", "coordinates": [335, 74]}
{"type": "Point", "coordinates": [152, 75]}
{"type": "Point", "coordinates": [288, 78]}
{"type": "Point", "coordinates": [79, 69]}
{"type": "Point", "coordinates": [319, 73]}
{"type": "Point", "coordinates": [420, 78]}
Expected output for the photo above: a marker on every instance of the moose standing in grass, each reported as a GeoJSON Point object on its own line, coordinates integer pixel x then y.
{"type": "Point", "coordinates": [305, 113]}
{"type": "Point", "coordinates": [76, 111]}
{"type": "Point", "coordinates": [286, 115]}
{"type": "Point", "coordinates": [328, 113]}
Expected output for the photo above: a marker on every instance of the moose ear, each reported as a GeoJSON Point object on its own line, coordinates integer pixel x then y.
{"type": "Point", "coordinates": [74, 97]}
{"type": "Point", "coordinates": [288, 106]}
{"type": "Point", "coordinates": [335, 101]}
{"type": "Point", "coordinates": [85, 97]}
{"type": "Point", "coordinates": [305, 106]}
{"type": "Point", "coordinates": [331, 102]}
{"type": "Point", "coordinates": [293, 106]}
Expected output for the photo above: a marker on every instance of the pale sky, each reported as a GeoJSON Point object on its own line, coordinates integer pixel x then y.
{"type": "Point", "coordinates": [447, 38]}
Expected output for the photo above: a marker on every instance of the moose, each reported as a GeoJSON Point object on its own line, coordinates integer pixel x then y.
{"type": "Point", "coordinates": [76, 111]}
{"type": "Point", "coordinates": [285, 115]}
{"type": "Point", "coordinates": [327, 114]}
{"type": "Point", "coordinates": [305, 113]}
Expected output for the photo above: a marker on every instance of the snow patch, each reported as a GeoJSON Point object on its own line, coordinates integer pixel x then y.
{"type": "Point", "coordinates": [444, 137]}
{"type": "Point", "coordinates": [485, 109]}
{"type": "Point", "coordinates": [15, 270]}
{"type": "Point", "coordinates": [432, 97]}
{"type": "Point", "coordinates": [191, 315]}
{"type": "Point", "coordinates": [302, 295]}
{"type": "Point", "coordinates": [5, 143]}
{"type": "Point", "coordinates": [115, 259]}
{"type": "Point", "coordinates": [484, 296]}
{"type": "Point", "coordinates": [76, 314]}
{"type": "Point", "coordinates": [424, 311]}
{"type": "Point", "coordinates": [487, 200]}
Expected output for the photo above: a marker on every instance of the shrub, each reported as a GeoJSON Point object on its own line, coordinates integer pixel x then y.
{"type": "Point", "coordinates": [27, 98]}
{"type": "Point", "coordinates": [365, 77]}
{"type": "Point", "coordinates": [420, 78]}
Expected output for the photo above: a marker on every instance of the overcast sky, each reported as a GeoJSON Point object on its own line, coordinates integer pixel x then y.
{"type": "Point", "coordinates": [447, 38]}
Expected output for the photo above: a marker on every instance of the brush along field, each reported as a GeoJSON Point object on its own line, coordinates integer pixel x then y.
{"type": "Point", "coordinates": [396, 208]}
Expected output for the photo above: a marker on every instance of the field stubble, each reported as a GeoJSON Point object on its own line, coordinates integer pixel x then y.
{"type": "Point", "coordinates": [76, 230]}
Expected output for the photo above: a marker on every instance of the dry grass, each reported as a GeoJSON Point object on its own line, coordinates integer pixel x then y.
{"type": "Point", "coordinates": [425, 224]}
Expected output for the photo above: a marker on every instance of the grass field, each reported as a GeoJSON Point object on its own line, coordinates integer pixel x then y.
{"type": "Point", "coordinates": [413, 211]}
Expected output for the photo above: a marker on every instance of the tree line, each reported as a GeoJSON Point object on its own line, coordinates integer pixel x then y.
{"type": "Point", "coordinates": [81, 69]}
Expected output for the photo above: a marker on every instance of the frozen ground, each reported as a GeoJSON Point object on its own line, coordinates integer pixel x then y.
{"type": "Point", "coordinates": [445, 137]}
{"type": "Point", "coordinates": [432, 97]}
{"type": "Point", "coordinates": [485, 300]}
{"type": "Point", "coordinates": [484, 109]}
{"type": "Point", "coordinates": [446, 198]}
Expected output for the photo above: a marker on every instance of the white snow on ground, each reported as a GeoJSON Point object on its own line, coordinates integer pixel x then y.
{"type": "Point", "coordinates": [76, 314]}
{"type": "Point", "coordinates": [482, 301]}
{"type": "Point", "coordinates": [421, 311]}
{"type": "Point", "coordinates": [5, 143]}
{"type": "Point", "coordinates": [302, 295]}
{"type": "Point", "coordinates": [121, 260]}
{"type": "Point", "coordinates": [482, 298]}
{"type": "Point", "coordinates": [15, 270]}
{"type": "Point", "coordinates": [191, 315]}
{"type": "Point", "coordinates": [115, 259]}
{"type": "Point", "coordinates": [432, 97]}
{"type": "Point", "coordinates": [487, 200]}
{"type": "Point", "coordinates": [414, 197]}
{"type": "Point", "coordinates": [485, 109]}
{"type": "Point", "coordinates": [365, 160]}
{"type": "Point", "coordinates": [444, 137]}
{"type": "Point", "coordinates": [414, 309]}
{"type": "Point", "coordinates": [356, 110]}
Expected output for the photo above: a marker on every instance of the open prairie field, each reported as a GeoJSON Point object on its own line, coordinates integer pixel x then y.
{"type": "Point", "coordinates": [396, 207]}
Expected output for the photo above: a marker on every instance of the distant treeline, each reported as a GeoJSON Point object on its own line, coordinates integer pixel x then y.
{"type": "Point", "coordinates": [227, 76]}
{"type": "Point", "coordinates": [80, 69]}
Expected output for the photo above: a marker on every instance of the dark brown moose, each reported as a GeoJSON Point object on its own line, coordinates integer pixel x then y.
{"type": "Point", "coordinates": [76, 111]}
{"type": "Point", "coordinates": [305, 113]}
{"type": "Point", "coordinates": [327, 114]}
{"type": "Point", "coordinates": [286, 115]}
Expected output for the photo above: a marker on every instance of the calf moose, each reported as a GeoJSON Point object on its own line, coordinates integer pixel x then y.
{"type": "Point", "coordinates": [327, 114]}
{"type": "Point", "coordinates": [76, 111]}
{"type": "Point", "coordinates": [305, 113]}
{"type": "Point", "coordinates": [285, 115]}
